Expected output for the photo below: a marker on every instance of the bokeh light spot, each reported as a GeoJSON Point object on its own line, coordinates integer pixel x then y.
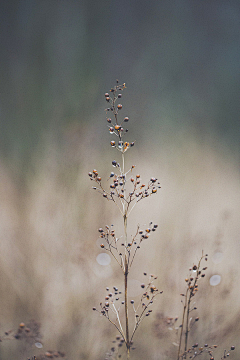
{"type": "Point", "coordinates": [103, 259]}
{"type": "Point", "coordinates": [215, 280]}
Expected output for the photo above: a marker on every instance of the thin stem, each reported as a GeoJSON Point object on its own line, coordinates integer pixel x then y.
{"type": "Point", "coordinates": [126, 290]}
{"type": "Point", "coordinates": [116, 312]}
{"type": "Point", "coordinates": [180, 340]}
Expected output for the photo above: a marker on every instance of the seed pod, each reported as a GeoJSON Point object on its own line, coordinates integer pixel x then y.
{"type": "Point", "coordinates": [119, 106]}
{"type": "Point", "coordinates": [112, 143]}
{"type": "Point", "coordinates": [126, 119]}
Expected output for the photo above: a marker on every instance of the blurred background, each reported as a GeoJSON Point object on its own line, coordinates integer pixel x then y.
{"type": "Point", "coordinates": [180, 61]}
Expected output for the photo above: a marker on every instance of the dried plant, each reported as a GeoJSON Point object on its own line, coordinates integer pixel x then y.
{"type": "Point", "coordinates": [30, 333]}
{"type": "Point", "coordinates": [125, 191]}
{"type": "Point", "coordinates": [196, 273]}
{"type": "Point", "coordinates": [188, 321]}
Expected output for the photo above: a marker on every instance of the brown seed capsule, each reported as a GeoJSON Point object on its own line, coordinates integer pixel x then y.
{"type": "Point", "coordinates": [132, 179]}
{"type": "Point", "coordinates": [112, 143]}
{"type": "Point", "coordinates": [154, 190]}
{"type": "Point", "coordinates": [109, 120]}
{"type": "Point", "coordinates": [195, 267]}
{"type": "Point", "coordinates": [99, 178]}
{"type": "Point", "coordinates": [126, 119]}
{"type": "Point", "coordinates": [117, 127]}
{"type": "Point", "coordinates": [21, 325]}
{"type": "Point", "coordinates": [48, 354]}
{"type": "Point", "coordinates": [119, 106]}
{"type": "Point", "coordinates": [106, 95]}
{"type": "Point", "coordinates": [107, 99]}
{"type": "Point", "coordinates": [102, 246]}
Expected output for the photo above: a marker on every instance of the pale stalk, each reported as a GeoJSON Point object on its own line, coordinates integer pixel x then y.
{"type": "Point", "coordinates": [126, 267]}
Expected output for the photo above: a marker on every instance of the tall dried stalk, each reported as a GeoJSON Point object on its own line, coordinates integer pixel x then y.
{"type": "Point", "coordinates": [125, 192]}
